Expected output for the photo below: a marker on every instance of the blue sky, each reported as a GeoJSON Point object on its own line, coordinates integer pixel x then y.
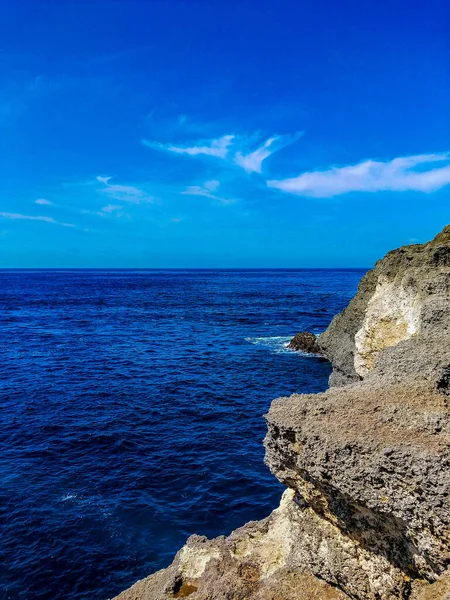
{"type": "Point", "coordinates": [197, 133]}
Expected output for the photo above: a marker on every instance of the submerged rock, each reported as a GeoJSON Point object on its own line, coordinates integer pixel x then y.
{"type": "Point", "coordinates": [305, 342]}
{"type": "Point", "coordinates": [366, 514]}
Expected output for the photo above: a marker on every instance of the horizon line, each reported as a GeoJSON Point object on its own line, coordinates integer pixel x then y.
{"type": "Point", "coordinates": [184, 268]}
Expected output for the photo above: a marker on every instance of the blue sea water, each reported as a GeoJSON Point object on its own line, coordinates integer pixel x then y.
{"type": "Point", "coordinates": [131, 413]}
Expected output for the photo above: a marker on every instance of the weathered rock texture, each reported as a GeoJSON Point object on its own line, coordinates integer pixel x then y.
{"type": "Point", "coordinates": [404, 298]}
{"type": "Point", "coordinates": [305, 342]}
{"type": "Point", "coordinates": [256, 561]}
{"type": "Point", "coordinates": [436, 591]}
{"type": "Point", "coordinates": [367, 463]}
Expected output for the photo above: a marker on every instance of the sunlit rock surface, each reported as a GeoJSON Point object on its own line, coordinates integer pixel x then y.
{"type": "Point", "coordinates": [435, 591]}
{"type": "Point", "coordinates": [392, 315]}
{"type": "Point", "coordinates": [405, 297]}
{"type": "Point", "coordinates": [257, 561]}
{"type": "Point", "coordinates": [367, 463]}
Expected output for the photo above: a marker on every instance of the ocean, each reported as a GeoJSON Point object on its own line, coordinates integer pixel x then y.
{"type": "Point", "coordinates": [132, 408]}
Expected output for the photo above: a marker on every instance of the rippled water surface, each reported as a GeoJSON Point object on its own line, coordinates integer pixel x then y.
{"type": "Point", "coordinates": [131, 413]}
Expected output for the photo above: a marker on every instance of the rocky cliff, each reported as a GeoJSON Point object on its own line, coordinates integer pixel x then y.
{"type": "Point", "coordinates": [366, 513]}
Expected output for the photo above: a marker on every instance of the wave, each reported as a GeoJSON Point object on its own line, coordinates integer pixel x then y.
{"type": "Point", "coordinates": [66, 497]}
{"type": "Point", "coordinates": [277, 343]}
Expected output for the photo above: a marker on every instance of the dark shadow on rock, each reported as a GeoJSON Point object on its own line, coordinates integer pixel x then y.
{"type": "Point", "coordinates": [305, 342]}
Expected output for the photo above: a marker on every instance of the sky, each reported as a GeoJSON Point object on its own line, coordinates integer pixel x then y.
{"type": "Point", "coordinates": [221, 133]}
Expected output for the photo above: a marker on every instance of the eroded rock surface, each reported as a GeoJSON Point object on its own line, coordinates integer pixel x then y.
{"type": "Point", "coordinates": [367, 463]}
{"type": "Point", "coordinates": [378, 471]}
{"type": "Point", "coordinates": [404, 297]}
{"type": "Point", "coordinates": [305, 342]}
{"type": "Point", "coordinates": [435, 591]}
{"type": "Point", "coordinates": [255, 562]}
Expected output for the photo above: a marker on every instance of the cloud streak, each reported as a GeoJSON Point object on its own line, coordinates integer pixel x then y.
{"type": "Point", "coordinates": [124, 193]}
{"type": "Point", "coordinates": [43, 202]}
{"type": "Point", "coordinates": [409, 173]}
{"type": "Point", "coordinates": [110, 209]}
{"type": "Point", "coordinates": [232, 148]}
{"type": "Point", "coordinates": [252, 161]}
{"type": "Point", "coordinates": [207, 190]}
{"type": "Point", "coordinates": [215, 147]}
{"type": "Point", "coordinates": [21, 217]}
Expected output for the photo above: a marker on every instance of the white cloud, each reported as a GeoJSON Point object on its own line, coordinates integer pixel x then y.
{"type": "Point", "coordinates": [43, 202]}
{"type": "Point", "coordinates": [124, 193]}
{"type": "Point", "coordinates": [18, 216]}
{"type": "Point", "coordinates": [399, 174]}
{"type": "Point", "coordinates": [207, 190]}
{"type": "Point", "coordinates": [235, 149]}
{"type": "Point", "coordinates": [111, 208]}
{"type": "Point", "coordinates": [211, 185]}
{"type": "Point", "coordinates": [197, 190]}
{"type": "Point", "coordinates": [252, 161]}
{"type": "Point", "coordinates": [103, 179]}
{"type": "Point", "coordinates": [216, 147]}
{"type": "Point", "coordinates": [226, 201]}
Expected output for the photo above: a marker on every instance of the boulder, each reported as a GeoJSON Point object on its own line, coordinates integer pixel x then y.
{"type": "Point", "coordinates": [305, 342]}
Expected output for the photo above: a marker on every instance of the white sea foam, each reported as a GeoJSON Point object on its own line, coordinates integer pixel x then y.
{"type": "Point", "coordinates": [68, 497]}
{"type": "Point", "coordinates": [278, 343]}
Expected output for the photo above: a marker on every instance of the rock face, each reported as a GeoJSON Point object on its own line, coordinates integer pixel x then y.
{"type": "Point", "coordinates": [253, 562]}
{"type": "Point", "coordinates": [305, 342]}
{"type": "Point", "coordinates": [373, 463]}
{"type": "Point", "coordinates": [367, 463]}
{"type": "Point", "coordinates": [405, 297]}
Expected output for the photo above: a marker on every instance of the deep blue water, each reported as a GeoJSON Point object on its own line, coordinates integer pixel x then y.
{"type": "Point", "coordinates": [131, 413]}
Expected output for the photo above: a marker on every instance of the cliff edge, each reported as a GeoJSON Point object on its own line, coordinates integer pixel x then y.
{"type": "Point", "coordinates": [366, 513]}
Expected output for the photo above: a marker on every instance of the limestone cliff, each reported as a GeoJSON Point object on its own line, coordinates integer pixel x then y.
{"type": "Point", "coordinates": [405, 297]}
{"type": "Point", "coordinates": [367, 463]}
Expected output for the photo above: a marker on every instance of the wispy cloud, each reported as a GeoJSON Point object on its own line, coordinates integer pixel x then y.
{"type": "Point", "coordinates": [235, 149]}
{"type": "Point", "coordinates": [207, 190]}
{"type": "Point", "coordinates": [43, 202]}
{"type": "Point", "coordinates": [110, 209]}
{"type": "Point", "coordinates": [215, 147]}
{"type": "Point", "coordinates": [408, 173]}
{"type": "Point", "coordinates": [19, 216]}
{"type": "Point", "coordinates": [252, 161]}
{"type": "Point", "coordinates": [124, 193]}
